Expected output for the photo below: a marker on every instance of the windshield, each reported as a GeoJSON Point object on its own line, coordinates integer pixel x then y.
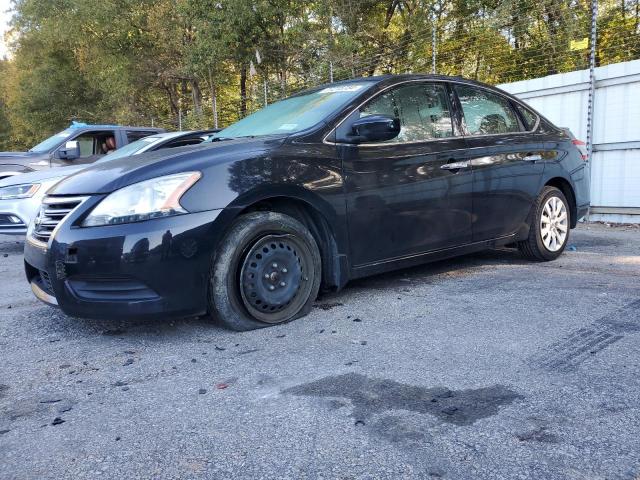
{"type": "Point", "coordinates": [52, 142]}
{"type": "Point", "coordinates": [132, 148]}
{"type": "Point", "coordinates": [294, 114]}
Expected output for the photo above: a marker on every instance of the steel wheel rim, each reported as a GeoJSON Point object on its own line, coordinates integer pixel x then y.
{"type": "Point", "coordinates": [554, 224]}
{"type": "Point", "coordinates": [274, 278]}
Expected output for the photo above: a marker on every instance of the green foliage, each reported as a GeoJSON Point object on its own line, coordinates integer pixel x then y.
{"type": "Point", "coordinates": [164, 61]}
{"type": "Point", "coordinates": [5, 125]}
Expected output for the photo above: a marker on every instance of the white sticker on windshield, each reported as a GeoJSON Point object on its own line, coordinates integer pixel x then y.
{"type": "Point", "coordinates": [341, 88]}
{"type": "Point", "coordinates": [287, 126]}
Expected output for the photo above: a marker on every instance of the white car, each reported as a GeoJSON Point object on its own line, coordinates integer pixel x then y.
{"type": "Point", "coordinates": [21, 195]}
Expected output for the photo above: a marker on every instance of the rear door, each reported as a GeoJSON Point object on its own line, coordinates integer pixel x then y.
{"type": "Point", "coordinates": [507, 161]}
{"type": "Point", "coordinates": [400, 199]}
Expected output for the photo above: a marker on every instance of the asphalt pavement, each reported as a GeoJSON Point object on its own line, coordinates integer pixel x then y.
{"type": "Point", "coordinates": [483, 367]}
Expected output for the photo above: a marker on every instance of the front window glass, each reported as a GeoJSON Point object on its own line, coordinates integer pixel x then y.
{"type": "Point", "coordinates": [423, 111]}
{"type": "Point", "coordinates": [86, 143]}
{"type": "Point", "coordinates": [486, 113]}
{"type": "Point", "coordinates": [295, 114]}
{"type": "Point", "coordinates": [51, 142]}
{"type": "Point", "coordinates": [96, 143]}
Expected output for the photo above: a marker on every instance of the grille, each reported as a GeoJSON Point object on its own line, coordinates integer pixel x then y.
{"type": "Point", "coordinates": [111, 289]}
{"type": "Point", "coordinates": [46, 282]}
{"type": "Point", "coordinates": [52, 211]}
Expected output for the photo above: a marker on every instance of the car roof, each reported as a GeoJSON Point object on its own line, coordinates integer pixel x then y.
{"type": "Point", "coordinates": [398, 78]}
{"type": "Point", "coordinates": [391, 79]}
{"type": "Point", "coordinates": [188, 133]}
{"type": "Point", "coordinates": [87, 126]}
{"type": "Point", "coordinates": [404, 76]}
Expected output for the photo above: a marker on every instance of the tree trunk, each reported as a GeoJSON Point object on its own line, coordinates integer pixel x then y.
{"type": "Point", "coordinates": [243, 90]}
{"type": "Point", "coordinates": [283, 83]}
{"type": "Point", "coordinates": [196, 95]}
{"type": "Point", "coordinates": [214, 100]}
{"type": "Point", "coordinates": [170, 90]}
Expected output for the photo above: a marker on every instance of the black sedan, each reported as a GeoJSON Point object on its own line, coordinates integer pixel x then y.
{"type": "Point", "coordinates": [338, 182]}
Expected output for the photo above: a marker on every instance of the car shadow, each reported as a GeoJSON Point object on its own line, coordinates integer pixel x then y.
{"type": "Point", "coordinates": [199, 329]}
{"type": "Point", "coordinates": [423, 273]}
{"type": "Point", "coordinates": [157, 329]}
{"type": "Point", "coordinates": [56, 326]}
{"type": "Point", "coordinates": [11, 245]}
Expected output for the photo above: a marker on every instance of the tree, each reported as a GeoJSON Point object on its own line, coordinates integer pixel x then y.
{"type": "Point", "coordinates": [171, 62]}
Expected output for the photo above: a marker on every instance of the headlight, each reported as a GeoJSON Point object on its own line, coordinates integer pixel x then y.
{"type": "Point", "coordinates": [25, 190]}
{"type": "Point", "coordinates": [158, 197]}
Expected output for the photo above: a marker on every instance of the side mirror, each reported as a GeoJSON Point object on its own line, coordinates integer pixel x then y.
{"type": "Point", "coordinates": [375, 128]}
{"type": "Point", "coordinates": [70, 151]}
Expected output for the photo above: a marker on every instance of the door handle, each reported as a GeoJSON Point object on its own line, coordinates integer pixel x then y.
{"type": "Point", "coordinates": [484, 161]}
{"type": "Point", "coordinates": [532, 157]}
{"type": "Point", "coordinates": [455, 165]}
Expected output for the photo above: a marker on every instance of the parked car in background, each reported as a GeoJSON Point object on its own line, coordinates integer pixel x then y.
{"type": "Point", "coordinates": [21, 195]}
{"type": "Point", "coordinates": [164, 140]}
{"type": "Point", "coordinates": [342, 181]}
{"type": "Point", "coordinates": [77, 145]}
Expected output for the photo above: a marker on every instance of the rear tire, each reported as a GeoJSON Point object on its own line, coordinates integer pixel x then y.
{"type": "Point", "coordinates": [549, 226]}
{"type": "Point", "coordinates": [266, 271]}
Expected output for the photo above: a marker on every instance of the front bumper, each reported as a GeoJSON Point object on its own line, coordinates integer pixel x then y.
{"type": "Point", "coordinates": [158, 267]}
{"type": "Point", "coordinates": [15, 215]}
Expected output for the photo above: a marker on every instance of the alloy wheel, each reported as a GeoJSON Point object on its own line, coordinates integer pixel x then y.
{"type": "Point", "coordinates": [554, 224]}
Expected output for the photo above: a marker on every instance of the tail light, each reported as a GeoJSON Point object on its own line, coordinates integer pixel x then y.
{"type": "Point", "coordinates": [582, 147]}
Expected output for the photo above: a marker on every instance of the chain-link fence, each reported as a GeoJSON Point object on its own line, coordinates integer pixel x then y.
{"type": "Point", "coordinates": [491, 41]}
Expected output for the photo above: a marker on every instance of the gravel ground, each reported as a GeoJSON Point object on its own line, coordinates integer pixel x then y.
{"type": "Point", "coordinates": [483, 367]}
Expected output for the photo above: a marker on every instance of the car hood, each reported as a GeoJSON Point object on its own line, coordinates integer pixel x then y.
{"type": "Point", "coordinates": [106, 177]}
{"type": "Point", "coordinates": [17, 154]}
{"type": "Point", "coordinates": [19, 157]}
{"type": "Point", "coordinates": [32, 160]}
{"type": "Point", "coordinates": [41, 175]}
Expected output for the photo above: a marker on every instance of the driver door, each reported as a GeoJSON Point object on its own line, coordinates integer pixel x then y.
{"type": "Point", "coordinates": [402, 199]}
{"type": "Point", "coordinates": [92, 147]}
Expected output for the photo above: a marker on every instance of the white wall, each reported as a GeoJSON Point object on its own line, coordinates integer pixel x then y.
{"type": "Point", "coordinates": [615, 166]}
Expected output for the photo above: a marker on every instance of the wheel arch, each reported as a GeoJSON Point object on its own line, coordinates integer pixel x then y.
{"type": "Point", "coordinates": [314, 213]}
{"type": "Point", "coordinates": [566, 188]}
{"type": "Point", "coordinates": [322, 231]}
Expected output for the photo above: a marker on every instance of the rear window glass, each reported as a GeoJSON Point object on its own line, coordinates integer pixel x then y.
{"type": "Point", "coordinates": [132, 136]}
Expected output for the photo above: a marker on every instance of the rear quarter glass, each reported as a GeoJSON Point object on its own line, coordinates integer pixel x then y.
{"type": "Point", "coordinates": [528, 117]}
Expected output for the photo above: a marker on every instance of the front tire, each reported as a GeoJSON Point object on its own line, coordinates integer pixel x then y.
{"type": "Point", "coordinates": [266, 271]}
{"type": "Point", "coordinates": [549, 225]}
